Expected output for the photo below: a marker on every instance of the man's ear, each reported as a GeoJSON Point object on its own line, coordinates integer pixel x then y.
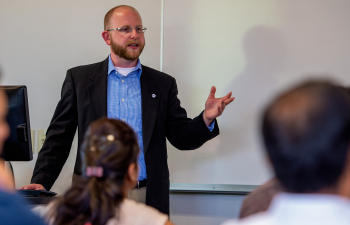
{"type": "Point", "coordinates": [133, 172]}
{"type": "Point", "coordinates": [106, 37]}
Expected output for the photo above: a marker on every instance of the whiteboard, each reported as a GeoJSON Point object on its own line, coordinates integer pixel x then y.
{"type": "Point", "coordinates": [254, 49]}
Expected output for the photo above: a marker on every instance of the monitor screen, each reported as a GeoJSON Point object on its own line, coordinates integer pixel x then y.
{"type": "Point", "coordinates": [18, 147]}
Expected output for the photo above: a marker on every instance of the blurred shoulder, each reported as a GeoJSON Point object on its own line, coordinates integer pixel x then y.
{"type": "Point", "coordinates": [257, 219]}
{"type": "Point", "coordinates": [12, 204]}
{"type": "Point", "coordinates": [132, 213]}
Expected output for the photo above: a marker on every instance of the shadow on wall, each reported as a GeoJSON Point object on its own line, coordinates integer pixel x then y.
{"type": "Point", "coordinates": [238, 142]}
{"type": "Point", "coordinates": [265, 52]}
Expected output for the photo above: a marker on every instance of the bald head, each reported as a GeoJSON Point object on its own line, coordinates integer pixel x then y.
{"type": "Point", "coordinates": [121, 8]}
{"type": "Point", "coordinates": [307, 133]}
{"type": "Point", "coordinates": [295, 111]}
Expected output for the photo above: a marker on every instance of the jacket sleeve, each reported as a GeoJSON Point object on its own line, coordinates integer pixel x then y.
{"type": "Point", "coordinates": [59, 137]}
{"type": "Point", "coordinates": [182, 132]}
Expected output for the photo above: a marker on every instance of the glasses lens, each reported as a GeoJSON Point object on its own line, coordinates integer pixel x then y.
{"type": "Point", "coordinates": [140, 29]}
{"type": "Point", "coordinates": [125, 29]}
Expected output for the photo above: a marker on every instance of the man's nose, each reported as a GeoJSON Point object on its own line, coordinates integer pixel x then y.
{"type": "Point", "coordinates": [134, 34]}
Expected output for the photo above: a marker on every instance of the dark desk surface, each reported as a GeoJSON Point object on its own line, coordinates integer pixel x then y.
{"type": "Point", "coordinates": [180, 188]}
{"type": "Point", "coordinates": [39, 200]}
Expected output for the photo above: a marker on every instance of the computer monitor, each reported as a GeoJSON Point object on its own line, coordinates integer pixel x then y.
{"type": "Point", "coordinates": [18, 147]}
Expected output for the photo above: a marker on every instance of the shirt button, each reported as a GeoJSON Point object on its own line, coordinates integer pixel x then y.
{"type": "Point", "coordinates": [122, 81]}
{"type": "Point", "coordinates": [123, 119]}
{"type": "Point", "coordinates": [122, 100]}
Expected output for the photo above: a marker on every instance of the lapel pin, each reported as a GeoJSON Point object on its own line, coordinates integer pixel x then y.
{"type": "Point", "coordinates": [153, 95]}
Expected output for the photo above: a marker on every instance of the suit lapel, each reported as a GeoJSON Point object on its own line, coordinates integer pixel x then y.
{"type": "Point", "coordinates": [97, 91]}
{"type": "Point", "coordinates": [150, 98]}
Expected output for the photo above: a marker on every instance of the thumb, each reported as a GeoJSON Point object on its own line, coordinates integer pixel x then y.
{"type": "Point", "coordinates": [212, 92]}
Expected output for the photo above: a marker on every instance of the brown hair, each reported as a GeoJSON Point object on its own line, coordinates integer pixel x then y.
{"type": "Point", "coordinates": [109, 14]}
{"type": "Point", "coordinates": [112, 145]}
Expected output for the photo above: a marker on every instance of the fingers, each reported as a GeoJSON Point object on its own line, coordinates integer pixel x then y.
{"type": "Point", "coordinates": [223, 103]}
{"type": "Point", "coordinates": [228, 101]}
{"type": "Point", "coordinates": [27, 187]}
{"type": "Point", "coordinates": [37, 187]}
{"type": "Point", "coordinates": [212, 92]}
{"type": "Point", "coordinates": [227, 96]}
{"type": "Point", "coordinates": [220, 107]}
{"type": "Point", "coordinates": [221, 110]}
{"type": "Point", "coordinates": [32, 187]}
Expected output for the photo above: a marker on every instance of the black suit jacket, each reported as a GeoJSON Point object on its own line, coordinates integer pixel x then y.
{"type": "Point", "coordinates": [84, 99]}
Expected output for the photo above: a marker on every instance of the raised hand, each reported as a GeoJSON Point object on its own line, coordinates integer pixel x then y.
{"type": "Point", "coordinates": [215, 106]}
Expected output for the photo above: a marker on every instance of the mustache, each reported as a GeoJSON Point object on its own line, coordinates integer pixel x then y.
{"type": "Point", "coordinates": [134, 42]}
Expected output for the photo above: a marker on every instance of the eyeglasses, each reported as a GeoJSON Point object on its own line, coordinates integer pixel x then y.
{"type": "Point", "coordinates": [127, 29]}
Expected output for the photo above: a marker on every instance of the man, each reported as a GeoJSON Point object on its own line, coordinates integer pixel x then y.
{"type": "Point", "coordinates": [307, 134]}
{"type": "Point", "coordinates": [120, 87]}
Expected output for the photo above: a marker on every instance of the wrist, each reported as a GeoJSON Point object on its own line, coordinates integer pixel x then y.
{"type": "Point", "coordinates": [206, 120]}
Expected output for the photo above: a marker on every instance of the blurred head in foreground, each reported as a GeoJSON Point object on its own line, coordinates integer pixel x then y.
{"type": "Point", "coordinates": [13, 210]}
{"type": "Point", "coordinates": [109, 154]}
{"type": "Point", "coordinates": [306, 133]}
{"type": "Point", "coordinates": [6, 179]}
{"type": "Point", "coordinates": [4, 127]}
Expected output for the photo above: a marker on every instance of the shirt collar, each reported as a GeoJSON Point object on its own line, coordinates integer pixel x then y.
{"type": "Point", "coordinates": [111, 67]}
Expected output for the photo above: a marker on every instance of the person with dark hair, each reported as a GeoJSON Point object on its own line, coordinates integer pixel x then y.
{"type": "Point", "coordinates": [306, 132]}
{"type": "Point", "coordinates": [259, 200]}
{"type": "Point", "coordinates": [120, 87]}
{"type": "Point", "coordinates": [109, 164]}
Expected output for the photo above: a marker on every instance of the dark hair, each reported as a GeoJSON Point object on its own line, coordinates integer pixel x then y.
{"type": "Point", "coordinates": [306, 133]}
{"type": "Point", "coordinates": [109, 15]}
{"type": "Point", "coordinates": [112, 145]}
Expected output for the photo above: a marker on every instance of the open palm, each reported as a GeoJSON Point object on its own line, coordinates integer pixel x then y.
{"type": "Point", "coordinates": [214, 107]}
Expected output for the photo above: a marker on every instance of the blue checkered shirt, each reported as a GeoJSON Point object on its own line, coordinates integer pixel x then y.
{"type": "Point", "coordinates": [124, 103]}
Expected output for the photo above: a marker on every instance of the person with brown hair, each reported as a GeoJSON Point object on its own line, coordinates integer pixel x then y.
{"type": "Point", "coordinates": [109, 164]}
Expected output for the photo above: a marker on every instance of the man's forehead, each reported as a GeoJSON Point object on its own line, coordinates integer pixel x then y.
{"type": "Point", "coordinates": [126, 15]}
